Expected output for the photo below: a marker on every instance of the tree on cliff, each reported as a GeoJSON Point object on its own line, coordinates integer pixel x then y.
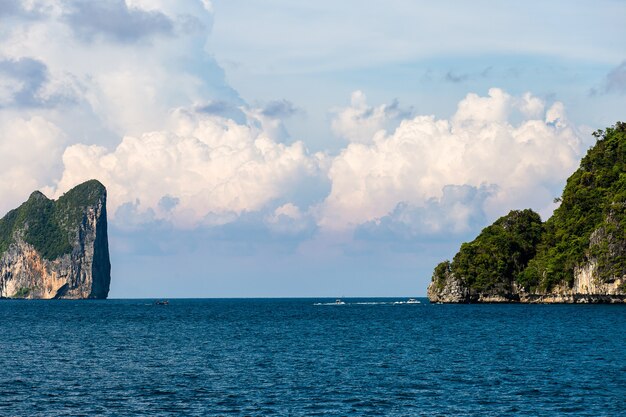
{"type": "Point", "coordinates": [588, 228]}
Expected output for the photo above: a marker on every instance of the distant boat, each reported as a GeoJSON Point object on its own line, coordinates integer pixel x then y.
{"type": "Point", "coordinates": [339, 302]}
{"type": "Point", "coordinates": [162, 303]}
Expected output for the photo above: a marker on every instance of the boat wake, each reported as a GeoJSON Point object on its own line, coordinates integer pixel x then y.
{"type": "Point", "coordinates": [369, 303]}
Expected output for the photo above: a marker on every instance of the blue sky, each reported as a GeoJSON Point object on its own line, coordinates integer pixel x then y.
{"type": "Point", "coordinates": [266, 148]}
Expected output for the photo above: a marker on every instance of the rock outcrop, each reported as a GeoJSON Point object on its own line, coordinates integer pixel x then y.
{"type": "Point", "coordinates": [57, 249]}
{"type": "Point", "coordinates": [576, 256]}
{"type": "Point", "coordinates": [587, 288]}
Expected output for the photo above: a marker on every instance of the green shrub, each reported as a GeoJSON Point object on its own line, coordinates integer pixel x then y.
{"type": "Point", "coordinates": [22, 293]}
{"type": "Point", "coordinates": [500, 252]}
{"type": "Point", "coordinates": [591, 194]}
{"type": "Point", "coordinates": [540, 256]}
{"type": "Point", "coordinates": [50, 226]}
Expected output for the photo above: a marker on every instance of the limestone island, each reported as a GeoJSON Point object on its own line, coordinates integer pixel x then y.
{"type": "Point", "coordinates": [577, 256]}
{"type": "Point", "coordinates": [57, 249]}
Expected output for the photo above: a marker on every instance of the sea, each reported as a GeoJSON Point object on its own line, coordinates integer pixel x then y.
{"type": "Point", "coordinates": [310, 357]}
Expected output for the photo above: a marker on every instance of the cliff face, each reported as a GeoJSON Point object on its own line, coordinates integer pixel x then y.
{"type": "Point", "coordinates": [57, 249]}
{"type": "Point", "coordinates": [576, 256]}
{"type": "Point", "coordinates": [587, 288]}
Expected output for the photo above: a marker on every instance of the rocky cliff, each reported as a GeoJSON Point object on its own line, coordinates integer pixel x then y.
{"type": "Point", "coordinates": [576, 256]}
{"type": "Point", "coordinates": [587, 288]}
{"type": "Point", "coordinates": [57, 249]}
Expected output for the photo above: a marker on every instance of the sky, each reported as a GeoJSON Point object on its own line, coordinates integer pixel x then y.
{"type": "Point", "coordinates": [302, 149]}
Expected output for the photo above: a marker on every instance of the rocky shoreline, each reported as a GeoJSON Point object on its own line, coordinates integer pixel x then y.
{"type": "Point", "coordinates": [576, 256]}
{"type": "Point", "coordinates": [587, 289]}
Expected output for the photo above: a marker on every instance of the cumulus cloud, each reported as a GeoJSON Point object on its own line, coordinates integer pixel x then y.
{"type": "Point", "coordinates": [159, 125]}
{"type": "Point", "coordinates": [30, 151]}
{"type": "Point", "coordinates": [208, 170]}
{"type": "Point", "coordinates": [360, 122]}
{"type": "Point", "coordinates": [100, 93]}
{"type": "Point", "coordinates": [522, 164]}
{"type": "Point", "coordinates": [458, 210]}
{"type": "Point", "coordinates": [270, 117]}
{"type": "Point", "coordinates": [289, 220]}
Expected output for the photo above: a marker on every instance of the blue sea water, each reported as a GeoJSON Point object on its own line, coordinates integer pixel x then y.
{"type": "Point", "coordinates": [291, 357]}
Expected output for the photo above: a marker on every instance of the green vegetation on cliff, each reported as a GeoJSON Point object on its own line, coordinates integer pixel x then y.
{"type": "Point", "coordinates": [50, 226]}
{"type": "Point", "coordinates": [593, 200]}
{"type": "Point", "coordinates": [500, 250]}
{"type": "Point", "coordinates": [590, 224]}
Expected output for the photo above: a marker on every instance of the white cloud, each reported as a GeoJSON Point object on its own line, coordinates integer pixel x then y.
{"type": "Point", "coordinates": [360, 122]}
{"type": "Point", "coordinates": [531, 107]}
{"type": "Point", "coordinates": [110, 96]}
{"type": "Point", "coordinates": [104, 96]}
{"type": "Point", "coordinates": [270, 118]}
{"type": "Point", "coordinates": [478, 147]}
{"type": "Point", "coordinates": [129, 78]}
{"type": "Point", "coordinates": [460, 209]}
{"type": "Point", "coordinates": [213, 167]}
{"type": "Point", "coordinates": [288, 219]}
{"type": "Point", "coordinates": [30, 150]}
{"type": "Point", "coordinates": [496, 107]}
{"type": "Point", "coordinates": [428, 176]}
{"type": "Point", "coordinates": [65, 87]}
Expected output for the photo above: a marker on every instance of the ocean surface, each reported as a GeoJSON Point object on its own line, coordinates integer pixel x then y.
{"type": "Point", "coordinates": [301, 357]}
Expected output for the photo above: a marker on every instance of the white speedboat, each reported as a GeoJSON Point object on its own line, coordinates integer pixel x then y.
{"type": "Point", "coordinates": [413, 301]}
{"type": "Point", "coordinates": [339, 302]}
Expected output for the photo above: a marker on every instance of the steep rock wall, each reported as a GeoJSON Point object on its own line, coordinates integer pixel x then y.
{"type": "Point", "coordinates": [84, 272]}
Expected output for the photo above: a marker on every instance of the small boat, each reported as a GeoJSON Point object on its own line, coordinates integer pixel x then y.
{"type": "Point", "coordinates": [413, 301]}
{"type": "Point", "coordinates": [162, 303]}
{"type": "Point", "coordinates": [339, 302]}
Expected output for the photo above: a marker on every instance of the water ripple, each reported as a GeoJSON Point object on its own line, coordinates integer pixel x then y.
{"type": "Point", "coordinates": [296, 358]}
